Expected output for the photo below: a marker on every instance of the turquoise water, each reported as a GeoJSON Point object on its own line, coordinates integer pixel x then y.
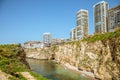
{"type": "Point", "coordinates": [53, 71]}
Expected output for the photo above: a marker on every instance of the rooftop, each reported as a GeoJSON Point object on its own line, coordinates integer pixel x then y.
{"type": "Point", "coordinates": [47, 33]}
{"type": "Point", "coordinates": [116, 7]}
{"type": "Point", "coordinates": [82, 10]}
{"type": "Point", "coordinates": [99, 3]}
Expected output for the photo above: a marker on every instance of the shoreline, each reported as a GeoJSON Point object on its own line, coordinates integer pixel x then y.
{"type": "Point", "coordinates": [87, 74]}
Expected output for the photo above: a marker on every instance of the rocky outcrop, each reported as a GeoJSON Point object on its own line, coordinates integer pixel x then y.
{"type": "Point", "coordinates": [38, 53]}
{"type": "Point", "coordinates": [4, 76]}
{"type": "Point", "coordinates": [102, 58]}
{"type": "Point", "coordinates": [12, 60]}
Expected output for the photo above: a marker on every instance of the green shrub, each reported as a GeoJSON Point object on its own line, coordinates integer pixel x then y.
{"type": "Point", "coordinates": [19, 77]}
{"type": "Point", "coordinates": [54, 48]}
{"type": "Point", "coordinates": [11, 61]}
{"type": "Point", "coordinates": [105, 36]}
{"type": "Point", "coordinates": [38, 77]}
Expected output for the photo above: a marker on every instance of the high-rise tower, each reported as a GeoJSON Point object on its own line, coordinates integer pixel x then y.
{"type": "Point", "coordinates": [82, 24]}
{"type": "Point", "coordinates": [113, 18]}
{"type": "Point", "coordinates": [100, 17]}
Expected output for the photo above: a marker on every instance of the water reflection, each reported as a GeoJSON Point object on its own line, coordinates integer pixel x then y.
{"type": "Point", "coordinates": [52, 71]}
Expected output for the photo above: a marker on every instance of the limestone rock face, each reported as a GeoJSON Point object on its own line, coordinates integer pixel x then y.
{"type": "Point", "coordinates": [38, 53]}
{"type": "Point", "coordinates": [101, 57]}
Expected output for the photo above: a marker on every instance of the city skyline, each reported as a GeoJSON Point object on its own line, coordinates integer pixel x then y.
{"type": "Point", "coordinates": [22, 21]}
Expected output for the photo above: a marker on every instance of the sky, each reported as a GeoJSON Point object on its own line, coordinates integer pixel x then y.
{"type": "Point", "coordinates": [27, 20]}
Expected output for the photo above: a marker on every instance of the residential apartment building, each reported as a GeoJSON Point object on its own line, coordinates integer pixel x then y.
{"type": "Point", "coordinates": [47, 39]}
{"type": "Point", "coordinates": [33, 44]}
{"type": "Point", "coordinates": [73, 34]}
{"type": "Point", "coordinates": [81, 29]}
{"type": "Point", "coordinates": [82, 24]}
{"type": "Point", "coordinates": [100, 17]}
{"type": "Point", "coordinates": [113, 18]}
{"type": "Point", "coordinates": [57, 41]}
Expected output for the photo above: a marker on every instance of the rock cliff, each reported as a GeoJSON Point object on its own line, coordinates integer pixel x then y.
{"type": "Point", "coordinates": [12, 61]}
{"type": "Point", "coordinates": [38, 53]}
{"type": "Point", "coordinates": [101, 57]}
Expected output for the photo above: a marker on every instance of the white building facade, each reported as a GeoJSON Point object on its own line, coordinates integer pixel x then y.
{"type": "Point", "coordinates": [100, 17]}
{"type": "Point", "coordinates": [47, 39]}
{"type": "Point", "coordinates": [81, 29]}
{"type": "Point", "coordinates": [33, 44]}
{"type": "Point", "coordinates": [82, 24]}
{"type": "Point", "coordinates": [73, 34]}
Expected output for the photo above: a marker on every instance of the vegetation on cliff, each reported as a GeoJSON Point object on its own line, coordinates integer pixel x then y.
{"type": "Point", "coordinates": [97, 37]}
{"type": "Point", "coordinates": [99, 54]}
{"type": "Point", "coordinates": [105, 36]}
{"type": "Point", "coordinates": [12, 62]}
